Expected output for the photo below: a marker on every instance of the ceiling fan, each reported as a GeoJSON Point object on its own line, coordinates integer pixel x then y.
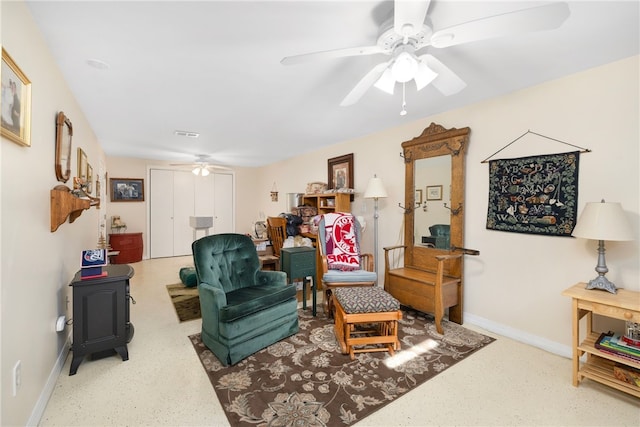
{"type": "Point", "coordinates": [410, 31]}
{"type": "Point", "coordinates": [202, 166]}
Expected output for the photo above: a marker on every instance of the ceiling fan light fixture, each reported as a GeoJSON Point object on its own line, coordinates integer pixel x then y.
{"type": "Point", "coordinates": [196, 170]}
{"type": "Point", "coordinates": [386, 82]}
{"type": "Point", "coordinates": [404, 68]}
{"type": "Point", "coordinates": [204, 171]}
{"type": "Point", "coordinates": [424, 75]}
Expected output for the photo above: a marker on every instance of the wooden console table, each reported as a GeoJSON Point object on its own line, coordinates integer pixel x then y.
{"type": "Point", "coordinates": [624, 305]}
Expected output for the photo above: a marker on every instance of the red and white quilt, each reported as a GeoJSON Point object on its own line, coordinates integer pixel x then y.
{"type": "Point", "coordinates": [342, 248]}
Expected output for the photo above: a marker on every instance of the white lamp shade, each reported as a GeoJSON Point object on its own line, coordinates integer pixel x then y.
{"type": "Point", "coordinates": [375, 189]}
{"type": "Point", "coordinates": [386, 82]}
{"type": "Point", "coordinates": [424, 76]}
{"type": "Point", "coordinates": [603, 221]}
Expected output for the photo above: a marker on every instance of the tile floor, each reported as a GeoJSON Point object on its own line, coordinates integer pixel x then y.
{"type": "Point", "coordinates": [164, 384]}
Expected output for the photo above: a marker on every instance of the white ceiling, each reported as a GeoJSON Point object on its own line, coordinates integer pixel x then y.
{"type": "Point", "coordinates": [213, 67]}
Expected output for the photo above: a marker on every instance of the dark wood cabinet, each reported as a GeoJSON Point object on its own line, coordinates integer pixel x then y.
{"type": "Point", "coordinates": [101, 323]}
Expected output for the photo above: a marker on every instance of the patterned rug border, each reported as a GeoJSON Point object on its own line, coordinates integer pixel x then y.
{"type": "Point", "coordinates": [307, 376]}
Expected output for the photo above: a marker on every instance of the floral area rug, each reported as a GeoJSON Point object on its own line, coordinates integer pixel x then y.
{"type": "Point", "coordinates": [305, 380]}
{"type": "Point", "coordinates": [185, 300]}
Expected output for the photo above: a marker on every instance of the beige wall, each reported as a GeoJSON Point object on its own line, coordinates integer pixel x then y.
{"type": "Point", "coordinates": [37, 265]}
{"type": "Point", "coordinates": [513, 287]}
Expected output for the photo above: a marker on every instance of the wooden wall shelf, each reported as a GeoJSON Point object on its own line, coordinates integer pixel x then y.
{"type": "Point", "coordinates": [64, 204]}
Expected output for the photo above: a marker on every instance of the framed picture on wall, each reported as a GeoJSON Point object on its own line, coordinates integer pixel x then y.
{"type": "Point", "coordinates": [126, 189]}
{"type": "Point", "coordinates": [82, 166]}
{"type": "Point", "coordinates": [340, 172]}
{"type": "Point", "coordinates": [434, 192]}
{"type": "Point", "coordinates": [16, 102]}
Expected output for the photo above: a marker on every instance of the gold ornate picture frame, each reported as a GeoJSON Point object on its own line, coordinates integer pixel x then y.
{"type": "Point", "coordinates": [16, 102]}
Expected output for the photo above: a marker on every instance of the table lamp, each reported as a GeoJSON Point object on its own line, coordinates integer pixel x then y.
{"type": "Point", "coordinates": [603, 221]}
{"type": "Point", "coordinates": [375, 190]}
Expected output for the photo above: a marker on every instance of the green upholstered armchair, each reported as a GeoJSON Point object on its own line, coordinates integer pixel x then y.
{"type": "Point", "coordinates": [244, 309]}
{"type": "Point", "coordinates": [442, 235]}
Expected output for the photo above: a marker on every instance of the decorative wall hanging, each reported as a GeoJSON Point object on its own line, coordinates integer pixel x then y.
{"type": "Point", "coordinates": [535, 194]}
{"type": "Point", "coordinates": [16, 102]}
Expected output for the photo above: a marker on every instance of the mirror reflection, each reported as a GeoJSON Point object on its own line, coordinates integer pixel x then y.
{"type": "Point", "coordinates": [432, 220]}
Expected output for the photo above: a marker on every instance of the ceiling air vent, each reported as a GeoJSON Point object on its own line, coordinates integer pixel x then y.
{"type": "Point", "coordinates": [187, 133]}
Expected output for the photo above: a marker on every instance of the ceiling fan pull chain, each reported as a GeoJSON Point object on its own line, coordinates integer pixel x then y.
{"type": "Point", "coordinates": [404, 102]}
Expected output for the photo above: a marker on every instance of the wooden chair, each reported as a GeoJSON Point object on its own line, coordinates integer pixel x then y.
{"type": "Point", "coordinates": [277, 233]}
{"type": "Point", "coordinates": [365, 276]}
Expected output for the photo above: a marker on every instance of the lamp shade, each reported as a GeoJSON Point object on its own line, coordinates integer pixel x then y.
{"type": "Point", "coordinates": [375, 189]}
{"type": "Point", "coordinates": [603, 221]}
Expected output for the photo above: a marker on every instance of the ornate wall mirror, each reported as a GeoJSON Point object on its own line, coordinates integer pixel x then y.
{"type": "Point", "coordinates": [435, 163]}
{"type": "Point", "coordinates": [64, 133]}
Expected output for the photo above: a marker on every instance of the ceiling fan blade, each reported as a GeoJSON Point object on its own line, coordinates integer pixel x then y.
{"type": "Point", "coordinates": [447, 81]}
{"type": "Point", "coordinates": [538, 18]}
{"type": "Point", "coordinates": [330, 54]}
{"type": "Point", "coordinates": [408, 16]}
{"type": "Point", "coordinates": [217, 167]}
{"type": "Point", "coordinates": [363, 85]}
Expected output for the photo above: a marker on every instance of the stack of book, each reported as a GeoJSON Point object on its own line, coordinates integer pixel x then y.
{"type": "Point", "coordinates": [615, 344]}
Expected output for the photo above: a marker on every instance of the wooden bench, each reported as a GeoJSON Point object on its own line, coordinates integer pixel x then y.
{"type": "Point", "coordinates": [425, 290]}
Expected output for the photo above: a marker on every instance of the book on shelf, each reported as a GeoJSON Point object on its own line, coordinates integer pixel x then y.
{"type": "Point", "coordinates": [609, 343]}
{"type": "Point", "coordinates": [627, 374]}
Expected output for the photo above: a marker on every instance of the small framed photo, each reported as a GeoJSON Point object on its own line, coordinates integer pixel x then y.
{"type": "Point", "coordinates": [434, 192]}
{"type": "Point", "coordinates": [126, 189]}
{"type": "Point", "coordinates": [89, 179]}
{"type": "Point", "coordinates": [16, 102]}
{"type": "Point", "coordinates": [418, 197]}
{"type": "Point", "coordinates": [83, 164]}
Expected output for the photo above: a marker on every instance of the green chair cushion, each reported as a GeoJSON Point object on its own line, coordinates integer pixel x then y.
{"type": "Point", "coordinates": [249, 300]}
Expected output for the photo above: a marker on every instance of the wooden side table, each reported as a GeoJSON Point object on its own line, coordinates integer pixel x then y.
{"type": "Point", "coordinates": [624, 305]}
{"type": "Point", "coordinates": [300, 262]}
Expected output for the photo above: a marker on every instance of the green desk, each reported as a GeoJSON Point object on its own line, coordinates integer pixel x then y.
{"type": "Point", "coordinates": [298, 263]}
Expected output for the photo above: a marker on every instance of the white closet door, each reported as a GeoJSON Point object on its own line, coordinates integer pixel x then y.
{"type": "Point", "coordinates": [183, 208]}
{"type": "Point", "coordinates": [223, 204]}
{"type": "Point", "coordinates": [204, 192]}
{"type": "Point", "coordinates": [161, 214]}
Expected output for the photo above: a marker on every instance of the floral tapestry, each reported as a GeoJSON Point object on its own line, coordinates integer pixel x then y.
{"type": "Point", "coordinates": [534, 195]}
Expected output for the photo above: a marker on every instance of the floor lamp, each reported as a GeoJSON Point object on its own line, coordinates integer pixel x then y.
{"type": "Point", "coordinates": [375, 190]}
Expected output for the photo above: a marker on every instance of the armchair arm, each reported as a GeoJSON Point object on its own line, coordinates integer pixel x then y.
{"type": "Point", "coordinates": [387, 251]}
{"type": "Point", "coordinates": [212, 299]}
{"type": "Point", "coordinates": [366, 262]}
{"type": "Point", "coordinates": [266, 277]}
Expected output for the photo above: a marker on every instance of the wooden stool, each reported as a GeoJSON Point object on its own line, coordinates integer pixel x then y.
{"type": "Point", "coordinates": [366, 306]}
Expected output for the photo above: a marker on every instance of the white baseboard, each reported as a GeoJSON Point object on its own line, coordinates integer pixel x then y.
{"type": "Point", "coordinates": [518, 335]}
{"type": "Point", "coordinates": [47, 391]}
